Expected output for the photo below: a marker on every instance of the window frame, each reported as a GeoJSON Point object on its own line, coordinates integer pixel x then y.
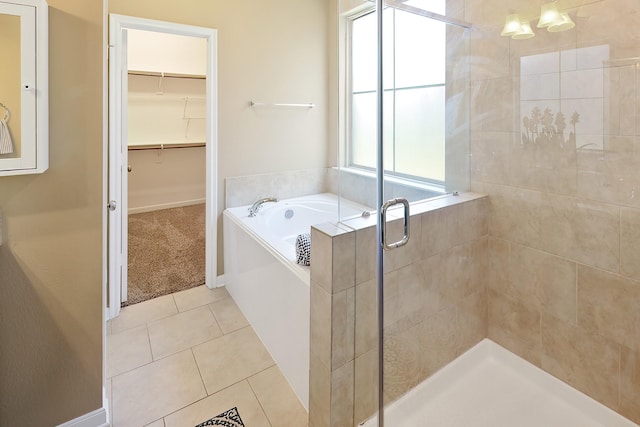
{"type": "Point", "coordinates": [347, 132]}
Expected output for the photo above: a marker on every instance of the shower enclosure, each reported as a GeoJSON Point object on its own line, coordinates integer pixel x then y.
{"type": "Point", "coordinates": [541, 258]}
{"type": "Point", "coordinates": [414, 114]}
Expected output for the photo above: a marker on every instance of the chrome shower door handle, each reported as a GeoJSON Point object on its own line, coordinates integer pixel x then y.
{"type": "Point", "coordinates": [383, 218]}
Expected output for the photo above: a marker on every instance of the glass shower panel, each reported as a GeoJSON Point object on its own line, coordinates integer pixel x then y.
{"type": "Point", "coordinates": [425, 155]}
{"type": "Point", "coordinates": [418, 64]}
{"type": "Point", "coordinates": [436, 6]}
{"type": "Point", "coordinates": [363, 59]}
{"type": "Point", "coordinates": [431, 146]}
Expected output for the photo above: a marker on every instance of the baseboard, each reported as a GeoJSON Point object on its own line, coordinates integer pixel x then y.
{"type": "Point", "coordinates": [97, 418]}
{"type": "Point", "coordinates": [219, 281]}
{"type": "Point", "coordinates": [161, 206]}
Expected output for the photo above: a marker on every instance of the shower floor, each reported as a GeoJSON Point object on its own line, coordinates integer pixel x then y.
{"type": "Point", "coordinates": [489, 386]}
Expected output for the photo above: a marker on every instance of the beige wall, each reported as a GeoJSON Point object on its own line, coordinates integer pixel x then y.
{"type": "Point", "coordinates": [51, 258]}
{"type": "Point", "coordinates": [274, 52]}
{"type": "Point", "coordinates": [161, 179]}
{"type": "Point", "coordinates": [564, 290]}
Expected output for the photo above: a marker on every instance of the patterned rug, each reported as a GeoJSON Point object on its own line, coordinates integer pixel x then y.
{"type": "Point", "coordinates": [230, 418]}
{"type": "Point", "coordinates": [166, 252]}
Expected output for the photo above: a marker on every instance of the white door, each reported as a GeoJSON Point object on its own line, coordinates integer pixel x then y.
{"type": "Point", "coordinates": [117, 252]}
{"type": "Point", "coordinates": [117, 170]}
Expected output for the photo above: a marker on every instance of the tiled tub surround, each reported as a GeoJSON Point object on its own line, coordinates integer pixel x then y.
{"type": "Point", "coordinates": [244, 190]}
{"type": "Point", "coordinates": [435, 304]}
{"type": "Point", "coordinates": [352, 185]}
{"type": "Point", "coordinates": [564, 275]}
{"type": "Point", "coordinates": [360, 187]}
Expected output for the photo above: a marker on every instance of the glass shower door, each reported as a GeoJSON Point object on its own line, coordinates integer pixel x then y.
{"type": "Point", "coordinates": [410, 130]}
{"type": "Point", "coordinates": [426, 141]}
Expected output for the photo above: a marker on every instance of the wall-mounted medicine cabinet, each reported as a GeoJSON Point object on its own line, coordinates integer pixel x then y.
{"type": "Point", "coordinates": [24, 104]}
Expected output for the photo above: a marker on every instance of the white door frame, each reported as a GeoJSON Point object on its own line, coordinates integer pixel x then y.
{"type": "Point", "coordinates": [117, 171]}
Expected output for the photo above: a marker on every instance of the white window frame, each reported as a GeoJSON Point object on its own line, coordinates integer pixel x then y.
{"type": "Point", "coordinates": [457, 161]}
{"type": "Point", "coordinates": [398, 176]}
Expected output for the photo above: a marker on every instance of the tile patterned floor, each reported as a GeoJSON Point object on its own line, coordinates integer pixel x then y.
{"type": "Point", "coordinates": [181, 359]}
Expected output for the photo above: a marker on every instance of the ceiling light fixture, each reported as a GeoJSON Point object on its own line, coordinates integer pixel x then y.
{"type": "Point", "coordinates": [563, 24]}
{"type": "Point", "coordinates": [549, 15]}
{"type": "Point", "coordinates": [512, 25]}
{"type": "Point", "coordinates": [525, 33]}
{"type": "Point", "coordinates": [550, 18]}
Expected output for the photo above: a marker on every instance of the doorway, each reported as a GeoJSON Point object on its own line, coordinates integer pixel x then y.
{"type": "Point", "coordinates": [121, 30]}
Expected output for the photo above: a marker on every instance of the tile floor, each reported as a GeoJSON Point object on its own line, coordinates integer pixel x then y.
{"type": "Point", "coordinates": [181, 359]}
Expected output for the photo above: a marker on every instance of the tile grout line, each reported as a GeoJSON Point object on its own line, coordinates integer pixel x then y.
{"type": "Point", "coordinates": [146, 326]}
{"type": "Point", "coordinates": [155, 421]}
{"type": "Point", "coordinates": [195, 359]}
{"type": "Point", "coordinates": [209, 291]}
{"type": "Point", "coordinates": [215, 318]}
{"type": "Point", "coordinates": [164, 316]}
{"type": "Point", "coordinates": [153, 359]}
{"type": "Point", "coordinates": [201, 307]}
{"type": "Point", "coordinates": [148, 363]}
{"type": "Point", "coordinates": [140, 366]}
{"type": "Point", "coordinates": [221, 390]}
{"type": "Point", "coordinates": [257, 398]}
{"type": "Point", "coordinates": [195, 401]}
{"type": "Point", "coordinates": [175, 303]}
{"type": "Point", "coordinates": [188, 348]}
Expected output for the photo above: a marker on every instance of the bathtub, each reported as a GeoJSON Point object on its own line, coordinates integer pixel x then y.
{"type": "Point", "coordinates": [266, 283]}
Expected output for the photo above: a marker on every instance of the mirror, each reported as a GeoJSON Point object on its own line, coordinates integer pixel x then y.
{"type": "Point", "coordinates": [23, 87]}
{"type": "Point", "coordinates": [10, 86]}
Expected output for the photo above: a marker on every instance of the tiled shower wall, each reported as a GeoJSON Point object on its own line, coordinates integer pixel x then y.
{"type": "Point", "coordinates": [554, 143]}
{"type": "Point", "coordinates": [554, 127]}
{"type": "Point", "coordinates": [435, 304]}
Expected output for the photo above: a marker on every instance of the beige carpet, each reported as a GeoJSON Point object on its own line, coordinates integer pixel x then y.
{"type": "Point", "coordinates": [166, 252]}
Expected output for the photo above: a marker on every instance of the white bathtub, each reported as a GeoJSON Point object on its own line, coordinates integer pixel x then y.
{"type": "Point", "coordinates": [264, 280]}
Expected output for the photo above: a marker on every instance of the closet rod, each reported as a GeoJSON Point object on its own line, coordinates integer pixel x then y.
{"type": "Point", "coordinates": [162, 74]}
{"type": "Point", "coordinates": [166, 146]}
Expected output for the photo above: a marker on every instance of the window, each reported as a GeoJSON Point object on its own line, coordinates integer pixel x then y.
{"type": "Point", "coordinates": [414, 94]}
